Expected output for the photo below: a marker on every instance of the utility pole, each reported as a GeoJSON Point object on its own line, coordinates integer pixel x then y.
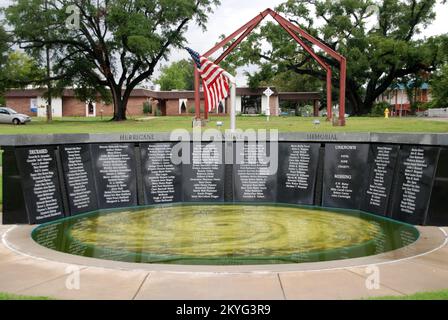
{"type": "Point", "coordinates": [49, 87]}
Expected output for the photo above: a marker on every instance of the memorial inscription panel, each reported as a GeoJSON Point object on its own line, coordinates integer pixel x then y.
{"type": "Point", "coordinates": [253, 179]}
{"type": "Point", "coordinates": [79, 178]}
{"type": "Point", "coordinates": [345, 175]}
{"type": "Point", "coordinates": [398, 181]}
{"type": "Point", "coordinates": [382, 162]}
{"type": "Point", "coordinates": [297, 172]}
{"type": "Point", "coordinates": [162, 180]}
{"type": "Point", "coordinates": [203, 178]}
{"type": "Point", "coordinates": [115, 175]}
{"type": "Point", "coordinates": [438, 214]}
{"type": "Point", "coordinates": [40, 183]}
{"type": "Point", "coordinates": [414, 183]}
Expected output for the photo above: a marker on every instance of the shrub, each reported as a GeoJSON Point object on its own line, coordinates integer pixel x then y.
{"type": "Point", "coordinates": [192, 110]}
{"type": "Point", "coordinates": [421, 106]}
{"type": "Point", "coordinates": [147, 107]}
{"type": "Point", "coordinates": [378, 109]}
{"type": "Point", "coordinates": [158, 113]}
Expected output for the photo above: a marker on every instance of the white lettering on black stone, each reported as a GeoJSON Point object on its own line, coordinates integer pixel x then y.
{"type": "Point", "coordinates": [377, 189]}
{"type": "Point", "coordinates": [116, 172]}
{"type": "Point", "coordinates": [205, 166]}
{"type": "Point", "coordinates": [44, 188]}
{"type": "Point", "coordinates": [413, 173]}
{"type": "Point", "coordinates": [342, 188]}
{"type": "Point", "coordinates": [252, 174]}
{"type": "Point", "coordinates": [298, 167]}
{"type": "Point", "coordinates": [77, 179]}
{"type": "Point", "coordinates": [160, 168]}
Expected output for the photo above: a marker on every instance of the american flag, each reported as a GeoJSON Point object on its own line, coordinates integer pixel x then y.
{"type": "Point", "coordinates": [215, 84]}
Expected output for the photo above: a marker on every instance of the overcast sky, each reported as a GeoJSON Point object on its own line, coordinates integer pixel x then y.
{"type": "Point", "coordinates": [232, 14]}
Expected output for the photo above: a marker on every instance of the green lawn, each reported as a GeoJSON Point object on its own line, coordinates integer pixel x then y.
{"type": "Point", "coordinates": [8, 296]}
{"type": "Point", "coordinates": [435, 295]}
{"type": "Point", "coordinates": [283, 124]}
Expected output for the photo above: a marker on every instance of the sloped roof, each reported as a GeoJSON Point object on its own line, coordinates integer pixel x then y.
{"type": "Point", "coordinates": [172, 95]}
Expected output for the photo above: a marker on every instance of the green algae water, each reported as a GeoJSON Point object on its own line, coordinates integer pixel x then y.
{"type": "Point", "coordinates": [225, 235]}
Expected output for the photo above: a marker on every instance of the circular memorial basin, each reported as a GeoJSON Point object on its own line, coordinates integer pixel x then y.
{"type": "Point", "coordinates": [228, 234]}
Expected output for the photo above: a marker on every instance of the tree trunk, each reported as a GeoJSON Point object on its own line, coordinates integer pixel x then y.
{"type": "Point", "coordinates": [120, 104]}
{"type": "Point", "coordinates": [354, 98]}
{"type": "Point", "coordinates": [120, 110]}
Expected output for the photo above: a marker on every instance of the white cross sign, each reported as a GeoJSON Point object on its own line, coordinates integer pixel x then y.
{"type": "Point", "coordinates": [268, 92]}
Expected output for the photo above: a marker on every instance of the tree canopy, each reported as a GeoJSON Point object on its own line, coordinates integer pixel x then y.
{"type": "Point", "coordinates": [16, 67]}
{"type": "Point", "coordinates": [105, 46]}
{"type": "Point", "coordinates": [439, 88]}
{"type": "Point", "coordinates": [178, 75]}
{"type": "Point", "coordinates": [377, 53]}
{"type": "Point", "coordinates": [3, 58]}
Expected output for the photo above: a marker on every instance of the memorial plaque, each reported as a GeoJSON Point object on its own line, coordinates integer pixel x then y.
{"type": "Point", "coordinates": [114, 166]}
{"type": "Point", "coordinates": [253, 180]}
{"type": "Point", "coordinates": [438, 213]}
{"type": "Point", "coordinates": [40, 183]}
{"type": "Point", "coordinates": [203, 178]}
{"type": "Point", "coordinates": [345, 168]}
{"type": "Point", "coordinates": [79, 178]}
{"type": "Point", "coordinates": [297, 172]}
{"type": "Point", "coordinates": [162, 180]}
{"type": "Point", "coordinates": [382, 163]}
{"type": "Point", "coordinates": [416, 166]}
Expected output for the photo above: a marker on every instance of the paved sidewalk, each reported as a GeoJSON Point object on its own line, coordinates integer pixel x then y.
{"type": "Point", "coordinates": [21, 274]}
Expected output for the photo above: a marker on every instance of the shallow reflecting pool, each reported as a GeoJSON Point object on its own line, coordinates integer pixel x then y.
{"type": "Point", "coordinates": [225, 234]}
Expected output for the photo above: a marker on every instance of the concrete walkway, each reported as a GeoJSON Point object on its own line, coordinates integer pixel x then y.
{"type": "Point", "coordinates": [22, 274]}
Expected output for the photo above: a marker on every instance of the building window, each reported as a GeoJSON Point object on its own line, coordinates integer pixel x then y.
{"type": "Point", "coordinates": [90, 109]}
{"type": "Point", "coordinates": [183, 106]}
{"type": "Point", "coordinates": [221, 107]}
{"type": "Point", "coordinates": [251, 104]}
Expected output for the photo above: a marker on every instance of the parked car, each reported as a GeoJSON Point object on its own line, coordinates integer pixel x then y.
{"type": "Point", "coordinates": [8, 115]}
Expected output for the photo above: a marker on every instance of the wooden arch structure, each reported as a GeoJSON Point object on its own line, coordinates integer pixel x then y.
{"type": "Point", "coordinates": [298, 34]}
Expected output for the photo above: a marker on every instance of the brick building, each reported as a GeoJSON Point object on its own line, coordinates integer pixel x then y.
{"type": "Point", "coordinates": [169, 103]}
{"type": "Point", "coordinates": [397, 97]}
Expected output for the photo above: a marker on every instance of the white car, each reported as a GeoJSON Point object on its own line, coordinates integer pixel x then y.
{"type": "Point", "coordinates": [8, 115]}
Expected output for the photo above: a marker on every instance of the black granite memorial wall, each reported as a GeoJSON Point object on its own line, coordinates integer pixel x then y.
{"type": "Point", "coordinates": [438, 212]}
{"type": "Point", "coordinates": [115, 174]}
{"type": "Point", "coordinates": [414, 181]}
{"type": "Point", "coordinates": [79, 178]}
{"type": "Point", "coordinates": [162, 180]}
{"type": "Point", "coordinates": [382, 163]}
{"type": "Point", "coordinates": [253, 180]}
{"type": "Point", "coordinates": [346, 172]}
{"type": "Point", "coordinates": [297, 172]}
{"type": "Point", "coordinates": [39, 185]}
{"type": "Point", "coordinates": [203, 176]}
{"type": "Point", "coordinates": [402, 181]}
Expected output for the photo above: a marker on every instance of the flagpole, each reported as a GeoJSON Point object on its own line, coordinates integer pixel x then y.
{"type": "Point", "coordinates": [232, 81]}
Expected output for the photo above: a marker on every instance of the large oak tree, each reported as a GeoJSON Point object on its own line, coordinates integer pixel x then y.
{"type": "Point", "coordinates": [115, 46]}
